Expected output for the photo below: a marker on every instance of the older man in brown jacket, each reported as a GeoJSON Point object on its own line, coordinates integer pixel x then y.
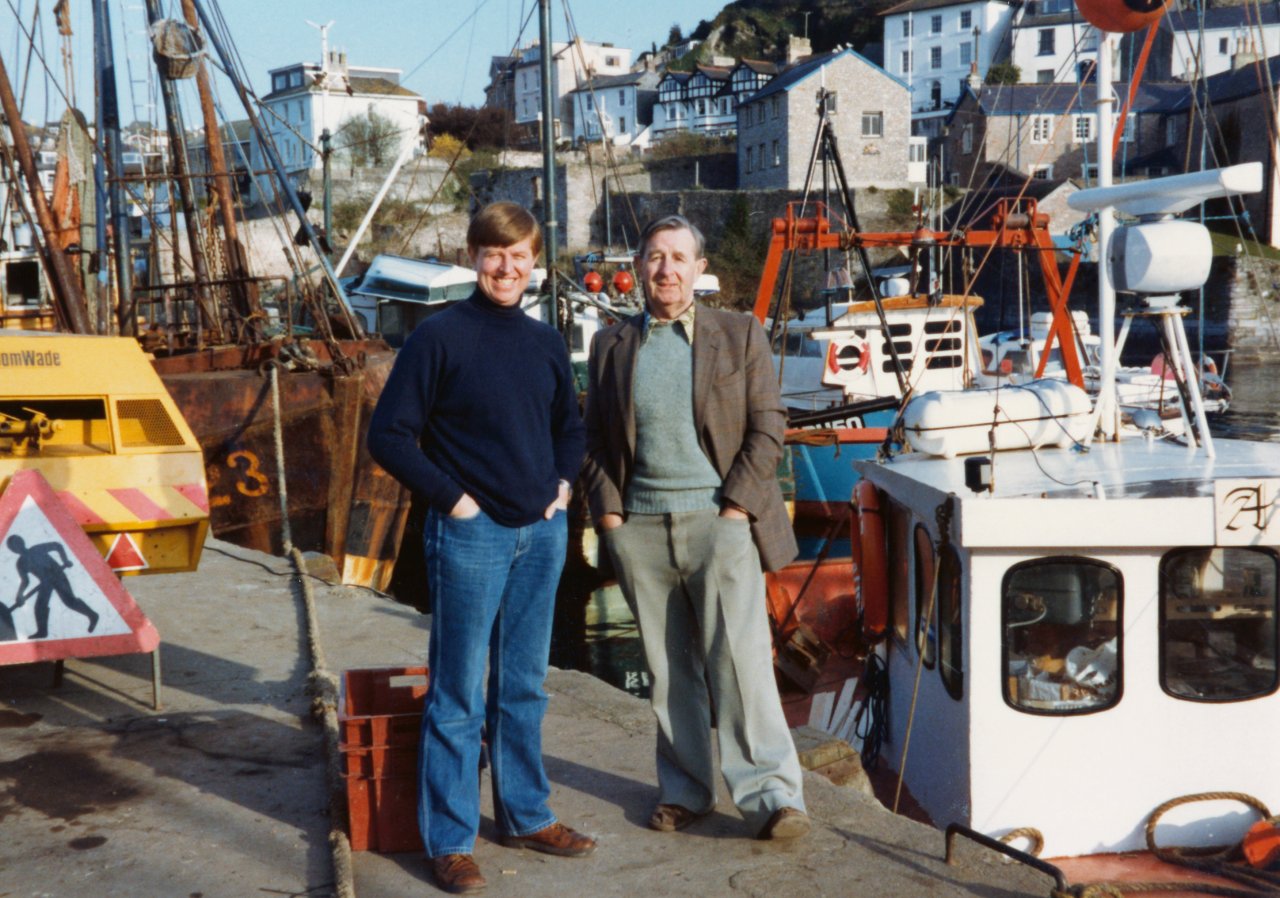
{"type": "Point", "coordinates": [684, 434]}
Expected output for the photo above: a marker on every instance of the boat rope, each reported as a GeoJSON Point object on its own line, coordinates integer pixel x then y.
{"type": "Point", "coordinates": [321, 683]}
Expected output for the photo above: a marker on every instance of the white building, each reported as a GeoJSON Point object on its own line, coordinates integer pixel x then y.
{"type": "Point", "coordinates": [615, 108]}
{"type": "Point", "coordinates": [306, 98]}
{"type": "Point", "coordinates": [1229, 32]}
{"type": "Point", "coordinates": [933, 45]}
{"type": "Point", "coordinates": [1053, 43]}
{"type": "Point", "coordinates": [573, 65]}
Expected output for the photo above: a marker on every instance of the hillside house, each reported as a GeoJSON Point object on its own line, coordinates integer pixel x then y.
{"type": "Point", "coordinates": [934, 45]}
{"type": "Point", "coordinates": [1049, 132]}
{"type": "Point", "coordinates": [870, 114]}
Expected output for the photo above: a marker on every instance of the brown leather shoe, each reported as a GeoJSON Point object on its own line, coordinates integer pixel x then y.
{"type": "Point", "coordinates": [554, 839]}
{"type": "Point", "coordinates": [457, 873]}
{"type": "Point", "coordinates": [667, 818]}
{"type": "Point", "coordinates": [786, 823]}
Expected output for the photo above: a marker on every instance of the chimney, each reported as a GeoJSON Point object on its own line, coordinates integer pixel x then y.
{"type": "Point", "coordinates": [974, 80]}
{"type": "Point", "coordinates": [1246, 54]}
{"type": "Point", "coordinates": [798, 47]}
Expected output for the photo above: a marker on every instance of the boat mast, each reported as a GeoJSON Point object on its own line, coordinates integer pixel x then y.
{"type": "Point", "coordinates": [550, 226]}
{"type": "Point", "coordinates": [1109, 408]}
{"type": "Point", "coordinates": [112, 150]}
{"type": "Point", "coordinates": [181, 178]}
{"type": "Point", "coordinates": [353, 321]}
{"type": "Point", "coordinates": [243, 294]}
{"type": "Point", "coordinates": [70, 299]}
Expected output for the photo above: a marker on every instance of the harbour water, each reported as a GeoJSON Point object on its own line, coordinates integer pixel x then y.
{"type": "Point", "coordinates": [596, 633]}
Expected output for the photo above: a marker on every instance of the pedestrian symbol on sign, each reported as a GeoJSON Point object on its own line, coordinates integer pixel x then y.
{"type": "Point", "coordinates": [50, 577]}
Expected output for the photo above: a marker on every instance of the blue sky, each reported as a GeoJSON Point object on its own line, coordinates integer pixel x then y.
{"type": "Point", "coordinates": [443, 46]}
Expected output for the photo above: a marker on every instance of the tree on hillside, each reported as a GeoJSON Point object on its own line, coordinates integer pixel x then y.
{"type": "Point", "coordinates": [369, 139]}
{"type": "Point", "coordinates": [477, 128]}
{"type": "Point", "coordinates": [675, 35]}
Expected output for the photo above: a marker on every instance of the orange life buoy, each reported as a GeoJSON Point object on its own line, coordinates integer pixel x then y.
{"type": "Point", "coordinates": [870, 561]}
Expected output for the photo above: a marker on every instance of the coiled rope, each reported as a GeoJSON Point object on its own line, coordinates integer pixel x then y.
{"type": "Point", "coordinates": [1216, 860]}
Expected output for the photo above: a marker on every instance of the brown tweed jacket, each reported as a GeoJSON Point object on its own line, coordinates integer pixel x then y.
{"type": "Point", "coordinates": [737, 413]}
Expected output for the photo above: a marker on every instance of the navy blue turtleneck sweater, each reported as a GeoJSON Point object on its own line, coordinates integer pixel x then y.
{"type": "Point", "coordinates": [481, 400]}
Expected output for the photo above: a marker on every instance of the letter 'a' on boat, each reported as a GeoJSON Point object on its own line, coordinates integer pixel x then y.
{"type": "Point", "coordinates": [120, 457]}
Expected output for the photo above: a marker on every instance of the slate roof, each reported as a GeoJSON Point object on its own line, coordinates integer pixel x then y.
{"type": "Point", "coordinates": [642, 81]}
{"type": "Point", "coordinates": [1234, 85]}
{"type": "Point", "coordinates": [1059, 99]}
{"type": "Point", "coordinates": [799, 71]}
{"type": "Point", "coordinates": [918, 5]}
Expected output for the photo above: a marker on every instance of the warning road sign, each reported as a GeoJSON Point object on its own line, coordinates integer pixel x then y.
{"type": "Point", "coordinates": [58, 598]}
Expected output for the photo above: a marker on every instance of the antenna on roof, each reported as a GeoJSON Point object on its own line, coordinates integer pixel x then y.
{"type": "Point", "coordinates": [324, 42]}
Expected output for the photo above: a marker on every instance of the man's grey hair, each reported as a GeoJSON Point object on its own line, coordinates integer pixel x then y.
{"type": "Point", "coordinates": [671, 223]}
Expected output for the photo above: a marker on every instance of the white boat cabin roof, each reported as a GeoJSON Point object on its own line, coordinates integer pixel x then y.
{"type": "Point", "coordinates": [1100, 497]}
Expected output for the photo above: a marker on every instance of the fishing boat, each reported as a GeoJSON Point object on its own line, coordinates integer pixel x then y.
{"type": "Point", "coordinates": [278, 389]}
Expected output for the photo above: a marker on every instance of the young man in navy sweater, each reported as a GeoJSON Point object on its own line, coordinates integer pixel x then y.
{"type": "Point", "coordinates": [480, 418]}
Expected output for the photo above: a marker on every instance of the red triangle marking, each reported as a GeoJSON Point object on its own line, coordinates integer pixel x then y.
{"type": "Point", "coordinates": [125, 555]}
{"type": "Point", "coordinates": [142, 635]}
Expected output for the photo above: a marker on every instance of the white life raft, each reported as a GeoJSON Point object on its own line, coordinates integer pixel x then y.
{"type": "Point", "coordinates": [1041, 413]}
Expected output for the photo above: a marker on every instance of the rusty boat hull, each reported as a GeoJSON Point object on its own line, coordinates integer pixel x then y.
{"type": "Point", "coordinates": [340, 502]}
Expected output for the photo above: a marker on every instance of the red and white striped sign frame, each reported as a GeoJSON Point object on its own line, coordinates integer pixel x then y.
{"type": "Point", "coordinates": [30, 509]}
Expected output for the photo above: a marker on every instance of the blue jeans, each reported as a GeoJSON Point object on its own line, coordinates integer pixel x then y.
{"type": "Point", "coordinates": [493, 593]}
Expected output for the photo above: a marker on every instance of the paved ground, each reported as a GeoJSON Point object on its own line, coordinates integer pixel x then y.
{"type": "Point", "coordinates": [222, 792]}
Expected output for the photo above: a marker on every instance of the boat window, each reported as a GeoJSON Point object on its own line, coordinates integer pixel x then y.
{"type": "Point", "coordinates": [950, 326]}
{"type": "Point", "coordinates": [1061, 642]}
{"type": "Point", "coordinates": [950, 628]}
{"type": "Point", "coordinates": [1218, 623]}
{"type": "Point", "coordinates": [897, 529]}
{"type": "Point", "coordinates": [943, 361]}
{"type": "Point", "coordinates": [926, 601]}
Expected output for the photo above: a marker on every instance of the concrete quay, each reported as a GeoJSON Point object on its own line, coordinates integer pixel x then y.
{"type": "Point", "coordinates": [223, 792]}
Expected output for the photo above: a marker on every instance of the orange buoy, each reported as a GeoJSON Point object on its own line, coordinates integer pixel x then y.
{"type": "Point", "coordinates": [623, 281]}
{"type": "Point", "coordinates": [870, 559]}
{"type": "Point", "coordinates": [1121, 16]}
{"type": "Point", "coordinates": [593, 281]}
{"type": "Point", "coordinates": [1262, 843]}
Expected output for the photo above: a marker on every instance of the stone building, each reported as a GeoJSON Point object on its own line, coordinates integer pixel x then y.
{"type": "Point", "coordinates": [1240, 106]}
{"type": "Point", "coordinates": [1049, 131]}
{"type": "Point", "coordinates": [871, 116]}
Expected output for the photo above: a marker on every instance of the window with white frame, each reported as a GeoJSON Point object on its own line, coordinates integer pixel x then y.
{"type": "Point", "coordinates": [1081, 128]}
{"type": "Point", "coordinates": [1089, 171]}
{"type": "Point", "coordinates": [622, 124]}
{"type": "Point", "coordinates": [906, 27]}
{"type": "Point", "coordinates": [1222, 46]}
{"type": "Point", "coordinates": [935, 24]}
{"type": "Point", "coordinates": [622, 98]}
{"type": "Point", "coordinates": [966, 139]}
{"type": "Point", "coordinates": [1041, 128]}
{"type": "Point", "coordinates": [751, 156]}
{"type": "Point", "coordinates": [966, 52]}
{"type": "Point", "coordinates": [906, 62]}
{"type": "Point", "coordinates": [777, 154]}
{"type": "Point", "coordinates": [872, 124]}
{"type": "Point", "coordinates": [917, 151]}
{"type": "Point", "coordinates": [1046, 46]}
{"type": "Point", "coordinates": [1044, 76]}
{"type": "Point", "coordinates": [775, 106]}
{"type": "Point", "coordinates": [761, 157]}
{"type": "Point", "coordinates": [966, 19]}
{"type": "Point", "coordinates": [1042, 172]}
{"type": "Point", "coordinates": [935, 57]}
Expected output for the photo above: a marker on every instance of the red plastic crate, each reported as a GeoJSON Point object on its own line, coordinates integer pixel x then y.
{"type": "Point", "coordinates": [383, 813]}
{"type": "Point", "coordinates": [381, 706]}
{"type": "Point", "coordinates": [380, 760]}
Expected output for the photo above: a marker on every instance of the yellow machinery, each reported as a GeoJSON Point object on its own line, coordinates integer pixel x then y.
{"type": "Point", "coordinates": [91, 414]}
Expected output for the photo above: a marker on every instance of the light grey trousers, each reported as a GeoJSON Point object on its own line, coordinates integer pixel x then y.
{"type": "Point", "coordinates": [694, 584]}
